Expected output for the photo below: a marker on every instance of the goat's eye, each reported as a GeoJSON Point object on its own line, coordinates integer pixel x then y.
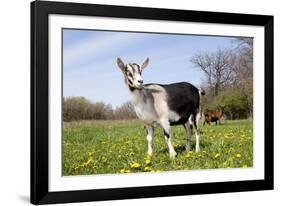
{"type": "Point", "coordinates": [129, 74]}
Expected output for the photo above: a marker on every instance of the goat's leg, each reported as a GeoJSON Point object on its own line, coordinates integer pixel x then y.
{"type": "Point", "coordinates": [168, 137]}
{"type": "Point", "coordinates": [149, 138]}
{"type": "Point", "coordinates": [188, 129]}
{"type": "Point", "coordinates": [197, 131]}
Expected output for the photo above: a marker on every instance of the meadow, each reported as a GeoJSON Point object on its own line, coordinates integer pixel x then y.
{"type": "Point", "coordinates": [117, 146]}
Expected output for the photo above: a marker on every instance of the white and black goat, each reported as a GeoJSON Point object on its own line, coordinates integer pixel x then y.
{"type": "Point", "coordinates": [164, 105]}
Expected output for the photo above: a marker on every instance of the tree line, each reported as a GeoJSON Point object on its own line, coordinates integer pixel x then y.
{"type": "Point", "coordinates": [79, 108]}
{"type": "Point", "coordinates": [228, 79]}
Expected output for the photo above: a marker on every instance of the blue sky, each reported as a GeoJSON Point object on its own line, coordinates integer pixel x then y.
{"type": "Point", "coordinates": [90, 69]}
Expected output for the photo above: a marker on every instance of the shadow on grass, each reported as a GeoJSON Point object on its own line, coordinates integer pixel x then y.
{"type": "Point", "coordinates": [178, 149]}
{"type": "Point", "coordinates": [182, 149]}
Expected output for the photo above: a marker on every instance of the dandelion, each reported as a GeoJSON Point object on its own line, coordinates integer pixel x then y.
{"type": "Point", "coordinates": [125, 171]}
{"type": "Point", "coordinates": [89, 161]}
{"type": "Point", "coordinates": [147, 169]}
{"type": "Point", "coordinates": [238, 155]}
{"type": "Point", "coordinates": [217, 155]}
{"type": "Point", "coordinates": [103, 159]}
{"type": "Point", "coordinates": [135, 165]}
{"type": "Point", "coordinates": [147, 161]}
{"type": "Point", "coordinates": [189, 154]}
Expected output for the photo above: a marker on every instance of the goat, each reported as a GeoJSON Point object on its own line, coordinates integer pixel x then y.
{"type": "Point", "coordinates": [164, 105]}
{"type": "Point", "coordinates": [213, 116]}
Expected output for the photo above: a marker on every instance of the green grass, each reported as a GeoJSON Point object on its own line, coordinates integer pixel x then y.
{"type": "Point", "coordinates": [99, 147]}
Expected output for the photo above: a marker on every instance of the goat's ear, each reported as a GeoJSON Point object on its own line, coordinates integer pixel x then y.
{"type": "Point", "coordinates": [120, 64]}
{"type": "Point", "coordinates": [145, 63]}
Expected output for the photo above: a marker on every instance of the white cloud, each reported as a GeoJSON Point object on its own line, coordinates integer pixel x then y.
{"type": "Point", "coordinates": [95, 46]}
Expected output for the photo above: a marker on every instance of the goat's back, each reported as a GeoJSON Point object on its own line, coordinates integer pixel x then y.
{"type": "Point", "coordinates": [183, 98]}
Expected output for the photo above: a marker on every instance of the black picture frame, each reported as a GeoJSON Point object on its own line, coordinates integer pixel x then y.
{"type": "Point", "coordinates": [40, 109]}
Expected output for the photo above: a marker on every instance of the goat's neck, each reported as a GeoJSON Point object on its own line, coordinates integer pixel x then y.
{"type": "Point", "coordinates": [137, 96]}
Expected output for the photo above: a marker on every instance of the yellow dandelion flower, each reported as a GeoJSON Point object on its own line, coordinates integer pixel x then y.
{"type": "Point", "coordinates": [147, 169]}
{"type": "Point", "coordinates": [135, 165]}
{"type": "Point", "coordinates": [238, 155]}
{"type": "Point", "coordinates": [147, 161]}
{"type": "Point", "coordinates": [89, 161]}
{"type": "Point", "coordinates": [189, 154]}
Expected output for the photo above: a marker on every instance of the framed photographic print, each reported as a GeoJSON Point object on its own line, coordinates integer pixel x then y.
{"type": "Point", "coordinates": [131, 102]}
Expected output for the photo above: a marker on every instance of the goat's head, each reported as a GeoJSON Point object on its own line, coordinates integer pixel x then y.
{"type": "Point", "coordinates": [132, 73]}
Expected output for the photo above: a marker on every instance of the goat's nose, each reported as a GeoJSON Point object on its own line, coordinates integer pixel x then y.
{"type": "Point", "coordinates": [140, 81]}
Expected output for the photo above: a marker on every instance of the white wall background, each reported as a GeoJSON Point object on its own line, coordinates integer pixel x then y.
{"type": "Point", "coordinates": [14, 101]}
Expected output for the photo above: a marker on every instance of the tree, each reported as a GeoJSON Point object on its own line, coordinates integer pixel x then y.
{"type": "Point", "coordinates": [125, 111]}
{"type": "Point", "coordinates": [79, 108]}
{"type": "Point", "coordinates": [228, 78]}
{"type": "Point", "coordinates": [75, 108]}
{"type": "Point", "coordinates": [244, 71]}
{"type": "Point", "coordinates": [217, 67]}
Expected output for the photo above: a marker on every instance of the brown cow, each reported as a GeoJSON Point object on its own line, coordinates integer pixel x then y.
{"type": "Point", "coordinates": [213, 116]}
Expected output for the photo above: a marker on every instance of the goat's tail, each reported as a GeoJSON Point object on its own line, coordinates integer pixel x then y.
{"type": "Point", "coordinates": [201, 92]}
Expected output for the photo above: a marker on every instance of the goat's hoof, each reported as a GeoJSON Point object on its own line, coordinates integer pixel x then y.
{"type": "Point", "coordinates": [173, 154]}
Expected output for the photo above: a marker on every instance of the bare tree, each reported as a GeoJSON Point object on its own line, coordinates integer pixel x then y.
{"type": "Point", "coordinates": [244, 70]}
{"type": "Point", "coordinates": [125, 111]}
{"type": "Point", "coordinates": [217, 66]}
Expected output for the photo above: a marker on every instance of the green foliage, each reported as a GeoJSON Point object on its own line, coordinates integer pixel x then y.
{"type": "Point", "coordinates": [102, 147]}
{"type": "Point", "coordinates": [79, 108]}
{"type": "Point", "coordinates": [234, 104]}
